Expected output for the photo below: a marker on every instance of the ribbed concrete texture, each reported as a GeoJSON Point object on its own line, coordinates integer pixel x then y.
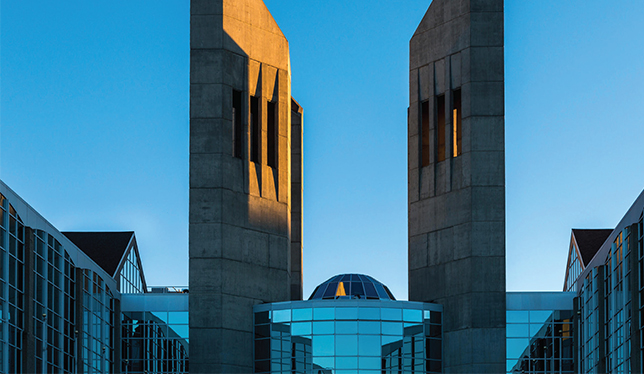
{"type": "Point", "coordinates": [457, 178]}
{"type": "Point", "coordinates": [241, 247]}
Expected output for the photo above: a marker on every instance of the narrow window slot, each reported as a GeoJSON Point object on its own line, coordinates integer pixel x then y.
{"type": "Point", "coordinates": [440, 128]}
{"type": "Point", "coordinates": [237, 124]}
{"type": "Point", "coordinates": [424, 130]}
{"type": "Point", "coordinates": [255, 130]}
{"type": "Point", "coordinates": [457, 126]}
{"type": "Point", "coordinates": [271, 146]}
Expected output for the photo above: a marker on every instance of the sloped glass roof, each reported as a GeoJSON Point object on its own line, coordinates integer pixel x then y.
{"type": "Point", "coordinates": [352, 286]}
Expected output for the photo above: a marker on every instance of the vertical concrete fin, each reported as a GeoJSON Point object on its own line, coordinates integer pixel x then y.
{"type": "Point", "coordinates": [297, 200]}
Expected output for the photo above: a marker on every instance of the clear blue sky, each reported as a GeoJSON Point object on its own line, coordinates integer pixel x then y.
{"type": "Point", "coordinates": [94, 125]}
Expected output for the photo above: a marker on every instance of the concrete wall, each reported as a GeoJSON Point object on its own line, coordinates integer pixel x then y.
{"type": "Point", "coordinates": [297, 200]}
{"type": "Point", "coordinates": [240, 211]}
{"type": "Point", "coordinates": [457, 206]}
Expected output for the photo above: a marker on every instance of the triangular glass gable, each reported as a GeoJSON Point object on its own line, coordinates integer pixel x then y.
{"type": "Point", "coordinates": [574, 269]}
{"type": "Point", "coordinates": [131, 275]}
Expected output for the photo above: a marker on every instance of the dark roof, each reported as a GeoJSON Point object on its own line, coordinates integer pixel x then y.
{"type": "Point", "coordinates": [352, 286]}
{"type": "Point", "coordinates": [104, 248]}
{"type": "Point", "coordinates": [589, 242]}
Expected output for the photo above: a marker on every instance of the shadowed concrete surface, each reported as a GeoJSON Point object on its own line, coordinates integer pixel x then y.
{"type": "Point", "coordinates": [241, 249]}
{"type": "Point", "coordinates": [457, 178]}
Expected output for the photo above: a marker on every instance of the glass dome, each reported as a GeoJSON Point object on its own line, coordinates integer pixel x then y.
{"type": "Point", "coordinates": [352, 286]}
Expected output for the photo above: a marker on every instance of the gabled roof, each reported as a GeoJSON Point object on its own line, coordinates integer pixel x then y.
{"type": "Point", "coordinates": [589, 241]}
{"type": "Point", "coordinates": [104, 248]}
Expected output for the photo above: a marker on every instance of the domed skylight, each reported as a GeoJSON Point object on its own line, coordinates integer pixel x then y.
{"type": "Point", "coordinates": [352, 286]}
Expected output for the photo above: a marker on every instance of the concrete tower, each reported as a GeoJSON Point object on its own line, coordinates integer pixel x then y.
{"type": "Point", "coordinates": [240, 179]}
{"type": "Point", "coordinates": [457, 178]}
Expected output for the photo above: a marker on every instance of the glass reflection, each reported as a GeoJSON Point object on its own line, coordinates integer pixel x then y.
{"type": "Point", "coordinates": [348, 338]}
{"type": "Point", "coordinates": [539, 341]}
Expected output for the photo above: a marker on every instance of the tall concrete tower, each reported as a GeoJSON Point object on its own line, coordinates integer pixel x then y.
{"type": "Point", "coordinates": [241, 249]}
{"type": "Point", "coordinates": [457, 178]}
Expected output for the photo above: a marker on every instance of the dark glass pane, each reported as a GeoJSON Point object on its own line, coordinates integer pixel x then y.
{"type": "Point", "coordinates": [13, 226]}
{"type": "Point", "coordinates": [381, 292]}
{"type": "Point", "coordinates": [314, 292]}
{"type": "Point", "coordinates": [262, 366]}
{"type": "Point", "coordinates": [435, 331]}
{"type": "Point", "coordinates": [330, 291]}
{"type": "Point", "coordinates": [320, 291]}
{"type": "Point", "coordinates": [261, 317]}
{"type": "Point", "coordinates": [262, 331]}
{"type": "Point", "coordinates": [434, 366]}
{"type": "Point", "coordinates": [370, 290]}
{"type": "Point", "coordinates": [357, 289]}
{"type": "Point", "coordinates": [435, 317]}
{"type": "Point", "coordinates": [391, 296]}
{"type": "Point", "coordinates": [262, 349]}
{"type": "Point", "coordinates": [346, 278]}
{"type": "Point", "coordinates": [434, 349]}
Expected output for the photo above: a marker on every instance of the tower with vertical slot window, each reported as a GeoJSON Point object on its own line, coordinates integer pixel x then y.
{"type": "Point", "coordinates": [245, 179]}
{"type": "Point", "coordinates": [457, 178]}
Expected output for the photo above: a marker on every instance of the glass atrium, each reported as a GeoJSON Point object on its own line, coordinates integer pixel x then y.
{"type": "Point", "coordinates": [358, 329]}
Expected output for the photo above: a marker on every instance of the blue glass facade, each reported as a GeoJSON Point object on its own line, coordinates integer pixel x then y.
{"type": "Point", "coordinates": [60, 310]}
{"type": "Point", "coordinates": [12, 239]}
{"type": "Point", "coordinates": [155, 333]}
{"type": "Point", "coordinates": [540, 332]}
{"type": "Point", "coordinates": [348, 336]}
{"type": "Point", "coordinates": [97, 338]}
{"type": "Point", "coordinates": [54, 316]}
{"type": "Point", "coordinates": [610, 299]}
{"type": "Point", "coordinates": [130, 277]}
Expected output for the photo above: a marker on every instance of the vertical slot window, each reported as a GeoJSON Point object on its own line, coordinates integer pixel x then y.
{"type": "Point", "coordinates": [457, 126]}
{"type": "Point", "coordinates": [271, 127]}
{"type": "Point", "coordinates": [424, 131]}
{"type": "Point", "coordinates": [237, 124]}
{"type": "Point", "coordinates": [255, 130]}
{"type": "Point", "coordinates": [440, 128]}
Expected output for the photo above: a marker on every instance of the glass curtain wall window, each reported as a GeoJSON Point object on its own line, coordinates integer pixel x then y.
{"type": "Point", "coordinates": [589, 323]}
{"type": "Point", "coordinates": [346, 336]}
{"type": "Point", "coordinates": [130, 276]}
{"type": "Point", "coordinates": [155, 342]}
{"type": "Point", "coordinates": [54, 306]}
{"type": "Point", "coordinates": [617, 305]}
{"type": "Point", "coordinates": [574, 268]}
{"type": "Point", "coordinates": [12, 240]}
{"type": "Point", "coordinates": [539, 341]}
{"type": "Point", "coordinates": [640, 256]}
{"type": "Point", "coordinates": [98, 321]}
